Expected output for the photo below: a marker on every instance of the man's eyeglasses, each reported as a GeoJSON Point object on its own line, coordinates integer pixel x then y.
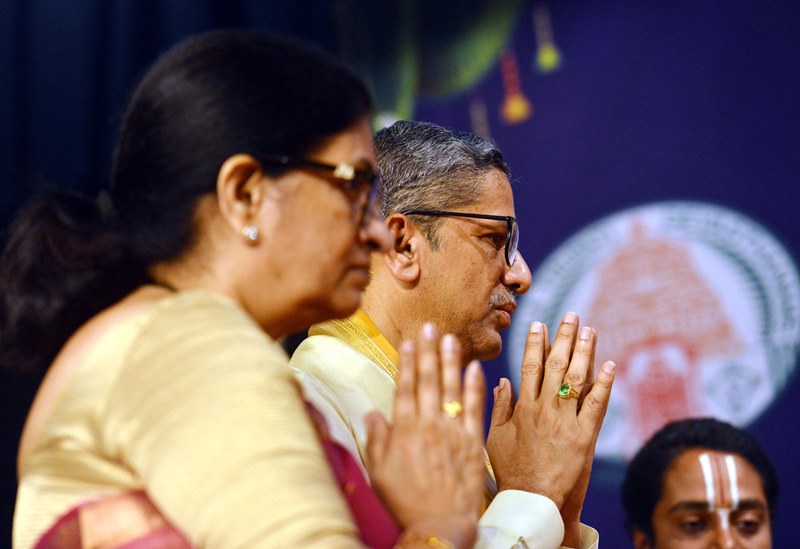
{"type": "Point", "coordinates": [512, 236]}
{"type": "Point", "coordinates": [361, 183]}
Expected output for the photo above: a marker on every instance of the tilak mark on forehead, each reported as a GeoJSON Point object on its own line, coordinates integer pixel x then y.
{"type": "Point", "coordinates": [716, 471]}
{"type": "Point", "coordinates": [723, 497]}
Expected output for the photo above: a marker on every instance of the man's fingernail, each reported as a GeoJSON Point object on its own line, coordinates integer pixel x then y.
{"type": "Point", "coordinates": [570, 318]}
{"type": "Point", "coordinates": [585, 333]}
{"type": "Point", "coordinates": [428, 330]}
{"type": "Point", "coordinates": [609, 367]}
{"type": "Point", "coordinates": [449, 342]}
{"type": "Point", "coordinates": [536, 327]}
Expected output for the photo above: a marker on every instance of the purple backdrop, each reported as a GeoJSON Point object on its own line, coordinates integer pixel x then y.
{"type": "Point", "coordinates": [681, 100]}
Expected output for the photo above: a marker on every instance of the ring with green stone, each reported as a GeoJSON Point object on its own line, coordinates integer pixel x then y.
{"type": "Point", "coordinates": [566, 392]}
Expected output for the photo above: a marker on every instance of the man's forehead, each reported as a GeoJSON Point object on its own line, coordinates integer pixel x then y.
{"type": "Point", "coordinates": [496, 196]}
{"type": "Point", "coordinates": [717, 479]}
{"type": "Point", "coordinates": [494, 178]}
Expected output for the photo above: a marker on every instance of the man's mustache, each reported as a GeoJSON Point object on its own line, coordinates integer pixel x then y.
{"type": "Point", "coordinates": [503, 298]}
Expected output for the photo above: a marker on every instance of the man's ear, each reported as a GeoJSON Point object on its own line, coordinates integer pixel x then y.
{"type": "Point", "coordinates": [640, 540]}
{"type": "Point", "coordinates": [240, 191]}
{"type": "Point", "coordinates": [403, 258]}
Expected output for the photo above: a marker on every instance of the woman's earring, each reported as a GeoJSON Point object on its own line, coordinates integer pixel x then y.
{"type": "Point", "coordinates": [250, 232]}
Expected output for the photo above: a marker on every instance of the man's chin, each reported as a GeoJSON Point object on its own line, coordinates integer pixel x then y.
{"type": "Point", "coordinates": [491, 349]}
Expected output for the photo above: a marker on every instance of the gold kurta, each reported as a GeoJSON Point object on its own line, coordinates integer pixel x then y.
{"type": "Point", "coordinates": [348, 368]}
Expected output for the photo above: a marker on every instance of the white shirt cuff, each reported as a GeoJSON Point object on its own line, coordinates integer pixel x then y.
{"type": "Point", "coordinates": [514, 514]}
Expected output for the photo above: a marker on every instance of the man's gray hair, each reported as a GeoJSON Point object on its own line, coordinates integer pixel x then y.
{"type": "Point", "coordinates": [428, 167]}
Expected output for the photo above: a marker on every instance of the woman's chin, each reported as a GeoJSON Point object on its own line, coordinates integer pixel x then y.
{"type": "Point", "coordinates": [341, 304]}
{"type": "Point", "coordinates": [340, 301]}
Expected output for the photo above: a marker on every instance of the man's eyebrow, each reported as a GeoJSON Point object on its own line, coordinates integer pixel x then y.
{"type": "Point", "coordinates": [492, 225]}
{"type": "Point", "coordinates": [487, 223]}
{"type": "Point", "coordinates": [748, 504]}
{"type": "Point", "coordinates": [689, 506]}
{"type": "Point", "coordinates": [744, 505]}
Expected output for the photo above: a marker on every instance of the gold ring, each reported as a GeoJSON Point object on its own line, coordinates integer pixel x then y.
{"type": "Point", "coordinates": [566, 392]}
{"type": "Point", "coordinates": [452, 408]}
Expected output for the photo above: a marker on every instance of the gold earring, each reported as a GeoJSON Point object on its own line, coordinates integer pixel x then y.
{"type": "Point", "coordinates": [250, 232]}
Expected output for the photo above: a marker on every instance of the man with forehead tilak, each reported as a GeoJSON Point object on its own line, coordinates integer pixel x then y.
{"type": "Point", "coordinates": [454, 262]}
{"type": "Point", "coordinates": [700, 484]}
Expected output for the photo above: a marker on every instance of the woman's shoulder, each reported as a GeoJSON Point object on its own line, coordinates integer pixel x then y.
{"type": "Point", "coordinates": [200, 329]}
{"type": "Point", "coordinates": [193, 315]}
{"type": "Point", "coordinates": [108, 332]}
{"type": "Point", "coordinates": [150, 322]}
{"type": "Point", "coordinates": [147, 314]}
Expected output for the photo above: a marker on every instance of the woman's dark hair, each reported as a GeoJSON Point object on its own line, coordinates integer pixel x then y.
{"type": "Point", "coordinates": [644, 478]}
{"type": "Point", "coordinates": [208, 98]}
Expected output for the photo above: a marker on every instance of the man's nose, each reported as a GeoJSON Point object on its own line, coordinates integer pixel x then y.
{"type": "Point", "coordinates": [724, 536]}
{"type": "Point", "coordinates": [518, 276]}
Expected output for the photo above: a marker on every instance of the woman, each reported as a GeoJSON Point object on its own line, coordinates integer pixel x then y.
{"type": "Point", "coordinates": [239, 211]}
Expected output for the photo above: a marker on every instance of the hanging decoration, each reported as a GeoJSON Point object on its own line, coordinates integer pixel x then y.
{"type": "Point", "coordinates": [479, 117]}
{"type": "Point", "coordinates": [548, 56]}
{"type": "Point", "coordinates": [516, 108]}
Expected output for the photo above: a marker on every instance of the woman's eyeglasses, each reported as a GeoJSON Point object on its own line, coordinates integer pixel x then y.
{"type": "Point", "coordinates": [361, 183]}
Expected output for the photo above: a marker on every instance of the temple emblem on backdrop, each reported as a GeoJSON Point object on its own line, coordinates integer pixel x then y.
{"type": "Point", "coordinates": [697, 304]}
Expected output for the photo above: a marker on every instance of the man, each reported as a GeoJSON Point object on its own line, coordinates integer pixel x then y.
{"type": "Point", "coordinates": [700, 484]}
{"type": "Point", "coordinates": [454, 261]}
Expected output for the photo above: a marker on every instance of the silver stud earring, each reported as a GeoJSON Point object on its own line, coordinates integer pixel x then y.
{"type": "Point", "coordinates": [250, 232]}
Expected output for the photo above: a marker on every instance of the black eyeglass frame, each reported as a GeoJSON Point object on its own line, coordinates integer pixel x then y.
{"type": "Point", "coordinates": [350, 178]}
{"type": "Point", "coordinates": [512, 227]}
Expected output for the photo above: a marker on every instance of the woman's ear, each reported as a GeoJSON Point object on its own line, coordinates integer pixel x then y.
{"type": "Point", "coordinates": [403, 257]}
{"type": "Point", "coordinates": [240, 192]}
